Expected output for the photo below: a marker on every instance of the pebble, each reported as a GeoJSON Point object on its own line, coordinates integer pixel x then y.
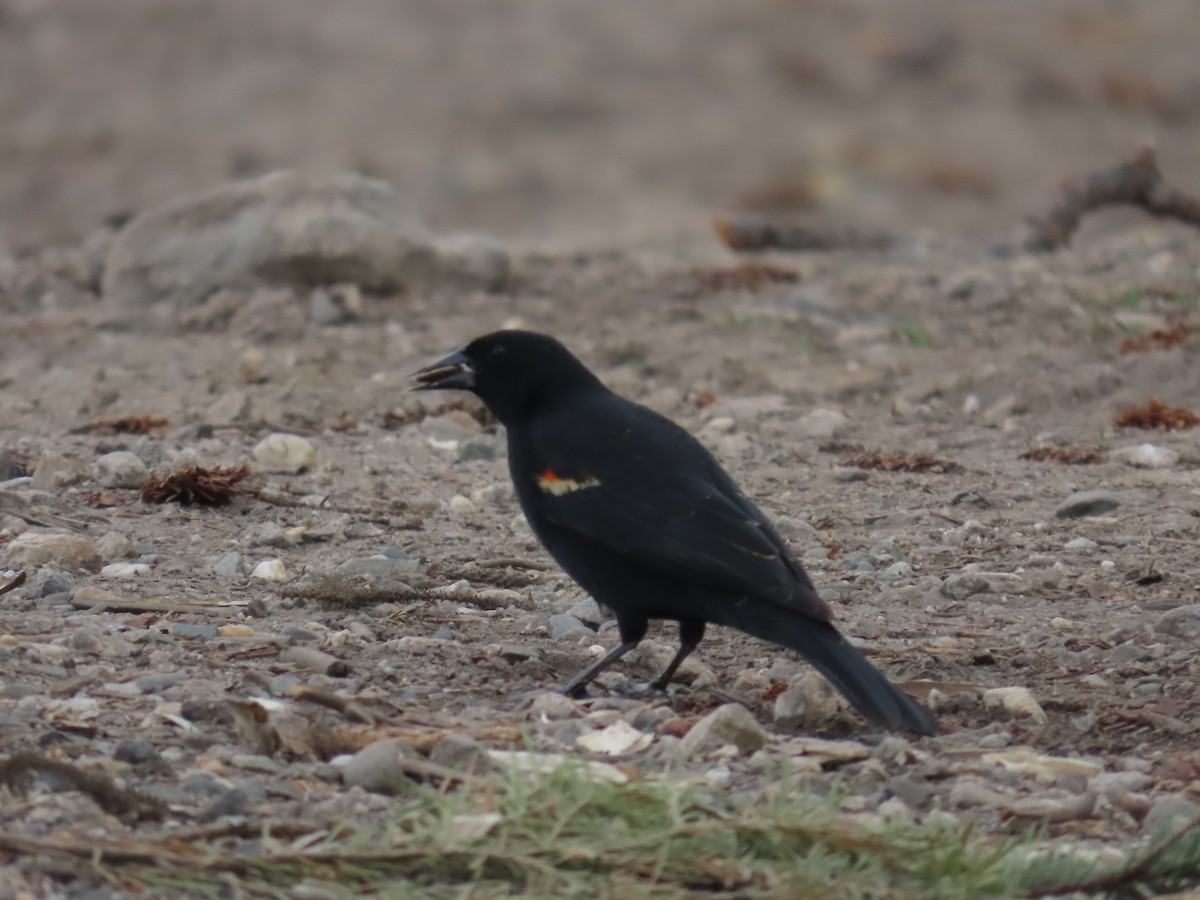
{"type": "Point", "coordinates": [269, 534]}
{"type": "Point", "coordinates": [1087, 503]}
{"type": "Point", "coordinates": [232, 803]}
{"type": "Point", "coordinates": [1146, 456]}
{"type": "Point", "coordinates": [553, 705]}
{"type": "Point", "coordinates": [589, 612]}
{"type": "Point", "coordinates": [284, 453]}
{"type": "Point", "coordinates": [1169, 813]}
{"type": "Point", "coordinates": [822, 424]}
{"type": "Point", "coordinates": [49, 582]}
{"type": "Point", "coordinates": [270, 570]}
{"type": "Point", "coordinates": [962, 585]}
{"type": "Point", "coordinates": [114, 547]}
{"type": "Point", "coordinates": [152, 684]}
{"type": "Point", "coordinates": [1180, 622]}
{"type": "Point", "coordinates": [807, 702]}
{"type": "Point", "coordinates": [1054, 807]}
{"type": "Point", "coordinates": [230, 407]}
{"type": "Point", "coordinates": [137, 752]}
{"type": "Point", "coordinates": [53, 470]}
{"type": "Point", "coordinates": [379, 768]}
{"type": "Point", "coordinates": [1016, 702]}
{"type": "Point", "coordinates": [460, 506]}
{"type": "Point", "coordinates": [121, 469]}
{"type": "Point", "coordinates": [462, 753]}
{"type": "Point", "coordinates": [1080, 543]}
{"type": "Point", "coordinates": [381, 566]}
{"type": "Point", "coordinates": [728, 724]}
{"type": "Point", "coordinates": [478, 447]}
{"type": "Point", "coordinates": [124, 570]}
{"type": "Point", "coordinates": [565, 625]}
{"type": "Point", "coordinates": [198, 632]}
{"type": "Point", "coordinates": [308, 658]}
{"type": "Point", "coordinates": [230, 565]}
{"type": "Point", "coordinates": [297, 635]}
{"type": "Point", "coordinates": [38, 548]}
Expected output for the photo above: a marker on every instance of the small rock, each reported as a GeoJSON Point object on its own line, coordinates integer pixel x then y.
{"type": "Point", "coordinates": [1146, 456]}
{"type": "Point", "coordinates": [1054, 808]}
{"type": "Point", "coordinates": [809, 701]}
{"type": "Point", "coordinates": [269, 534]}
{"type": "Point", "coordinates": [53, 470]}
{"type": "Point", "coordinates": [49, 582]}
{"type": "Point", "coordinates": [482, 446]}
{"type": "Point", "coordinates": [114, 547]}
{"type": "Point", "coordinates": [39, 548]}
{"type": "Point", "coordinates": [1080, 543]}
{"type": "Point", "coordinates": [618, 738]}
{"type": "Point", "coordinates": [336, 305]}
{"type": "Point", "coordinates": [1016, 702]}
{"type": "Point", "coordinates": [230, 408]}
{"type": "Point", "coordinates": [137, 752]}
{"type": "Point", "coordinates": [565, 625]}
{"type": "Point", "coordinates": [553, 705]}
{"type": "Point", "coordinates": [1168, 814]}
{"type": "Point", "coordinates": [462, 753]}
{"type": "Point", "coordinates": [284, 453]}
{"type": "Point", "coordinates": [270, 570]}
{"type": "Point", "coordinates": [469, 261]}
{"type": "Point", "coordinates": [379, 768]}
{"type": "Point", "coordinates": [193, 631]}
{"type": "Point", "coordinates": [289, 228]}
{"type": "Point", "coordinates": [230, 565]}
{"type": "Point", "coordinates": [297, 635]}
{"type": "Point", "coordinates": [124, 570]}
{"type": "Point", "coordinates": [589, 612]}
{"type": "Point", "coordinates": [152, 684]}
{"type": "Point", "coordinates": [1087, 503]}
{"type": "Point", "coordinates": [121, 469]}
{"type": "Point", "coordinates": [308, 658]}
{"type": "Point", "coordinates": [232, 803]}
{"type": "Point", "coordinates": [1180, 622]}
{"type": "Point", "coordinates": [728, 724]}
{"type": "Point", "coordinates": [822, 424]}
{"type": "Point", "coordinates": [10, 465]}
{"type": "Point", "coordinates": [962, 585]}
{"type": "Point", "coordinates": [380, 566]}
{"type": "Point", "coordinates": [513, 653]}
{"type": "Point", "coordinates": [461, 507]}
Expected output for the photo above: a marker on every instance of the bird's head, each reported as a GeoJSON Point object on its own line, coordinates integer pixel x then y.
{"type": "Point", "coordinates": [513, 372]}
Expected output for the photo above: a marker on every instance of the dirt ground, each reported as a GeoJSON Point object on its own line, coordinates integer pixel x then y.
{"type": "Point", "coordinates": [598, 141]}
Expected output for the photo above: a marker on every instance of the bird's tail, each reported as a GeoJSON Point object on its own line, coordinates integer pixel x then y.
{"type": "Point", "coordinates": [848, 670]}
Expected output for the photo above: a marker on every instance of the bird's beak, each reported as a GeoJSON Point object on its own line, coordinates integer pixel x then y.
{"type": "Point", "coordinates": [452, 373]}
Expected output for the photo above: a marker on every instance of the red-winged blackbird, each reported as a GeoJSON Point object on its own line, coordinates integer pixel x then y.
{"type": "Point", "coordinates": [644, 518]}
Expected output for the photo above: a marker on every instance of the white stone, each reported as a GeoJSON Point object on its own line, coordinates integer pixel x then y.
{"type": "Point", "coordinates": [270, 570]}
{"type": "Point", "coordinates": [1017, 702]}
{"type": "Point", "coordinates": [284, 453]}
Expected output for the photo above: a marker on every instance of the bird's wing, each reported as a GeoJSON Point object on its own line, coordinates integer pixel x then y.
{"type": "Point", "coordinates": [687, 520]}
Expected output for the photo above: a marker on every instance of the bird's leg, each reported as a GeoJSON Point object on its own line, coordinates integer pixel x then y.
{"type": "Point", "coordinates": [691, 633]}
{"type": "Point", "coordinates": [575, 687]}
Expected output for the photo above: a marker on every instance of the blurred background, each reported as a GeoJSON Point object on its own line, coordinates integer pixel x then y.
{"type": "Point", "coordinates": [593, 121]}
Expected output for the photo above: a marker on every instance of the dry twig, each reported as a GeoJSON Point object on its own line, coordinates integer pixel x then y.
{"type": "Point", "coordinates": [756, 233]}
{"type": "Point", "coordinates": [1135, 182]}
{"type": "Point", "coordinates": [127, 804]}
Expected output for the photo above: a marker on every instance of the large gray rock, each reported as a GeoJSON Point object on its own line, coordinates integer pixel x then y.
{"type": "Point", "coordinates": [287, 228]}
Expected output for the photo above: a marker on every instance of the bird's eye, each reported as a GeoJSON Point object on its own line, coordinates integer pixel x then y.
{"type": "Point", "coordinates": [496, 351]}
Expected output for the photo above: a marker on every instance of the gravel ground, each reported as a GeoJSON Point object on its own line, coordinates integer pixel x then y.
{"type": "Point", "coordinates": [878, 405]}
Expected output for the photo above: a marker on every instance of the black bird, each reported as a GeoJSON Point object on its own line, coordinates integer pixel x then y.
{"type": "Point", "coordinates": [637, 512]}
